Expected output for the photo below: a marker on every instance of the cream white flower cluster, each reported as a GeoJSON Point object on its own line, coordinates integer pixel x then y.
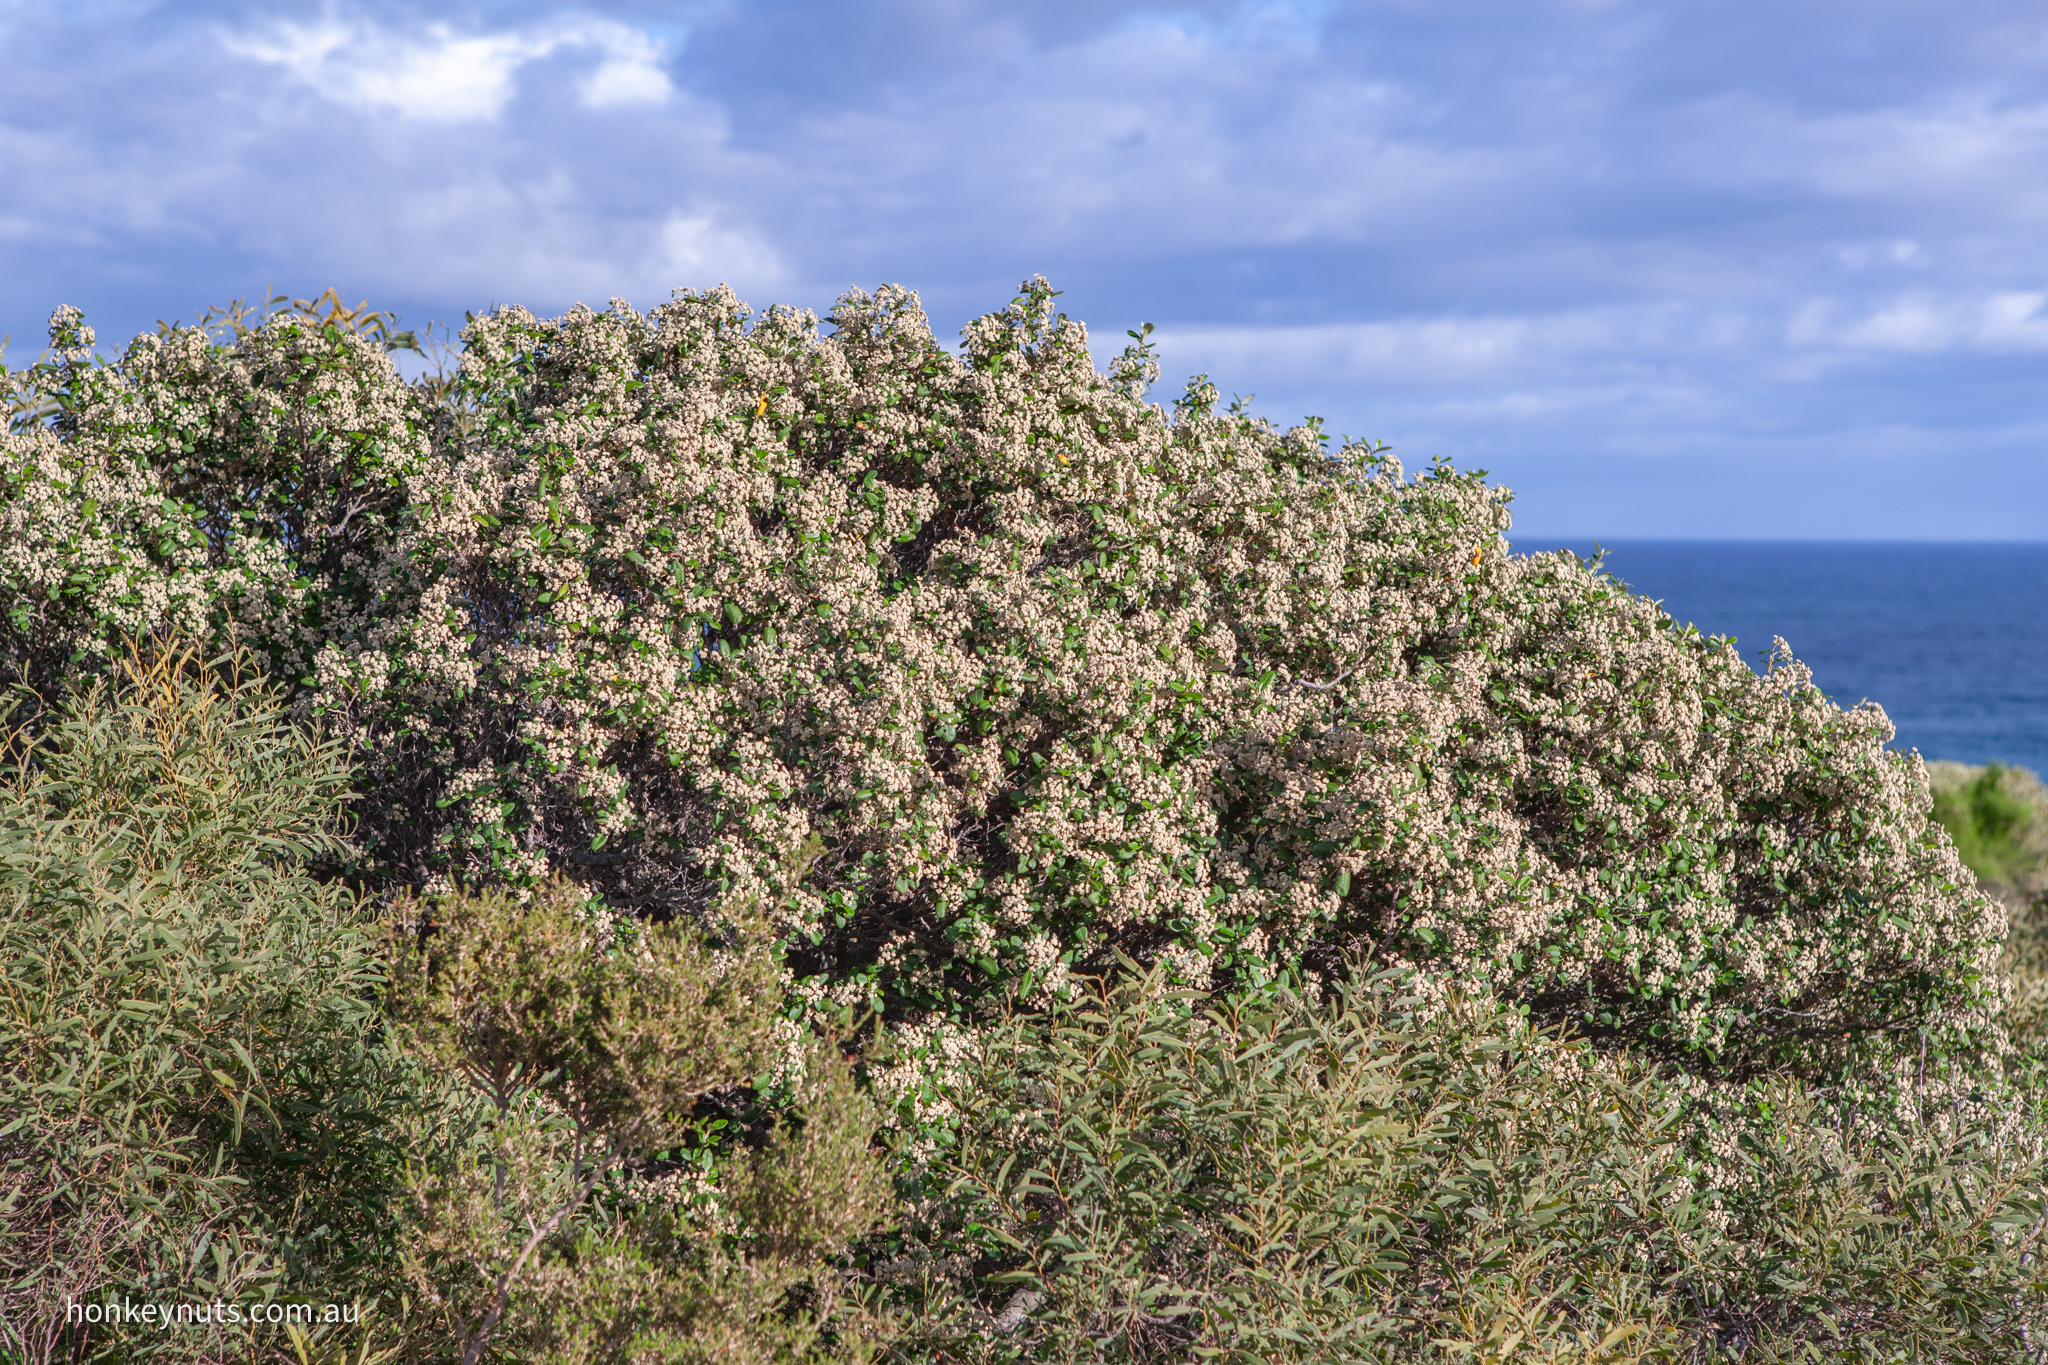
{"type": "Point", "coordinates": [1053, 671]}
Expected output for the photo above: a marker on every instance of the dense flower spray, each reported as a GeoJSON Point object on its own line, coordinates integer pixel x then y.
{"type": "Point", "coordinates": [1053, 671]}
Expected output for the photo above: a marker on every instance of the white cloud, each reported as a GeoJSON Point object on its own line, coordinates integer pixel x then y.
{"type": "Point", "coordinates": [630, 74]}
{"type": "Point", "coordinates": [2014, 322]}
{"type": "Point", "coordinates": [1927, 323]}
{"type": "Point", "coordinates": [1432, 348]}
{"type": "Point", "coordinates": [1863, 255]}
{"type": "Point", "coordinates": [697, 251]}
{"type": "Point", "coordinates": [440, 75]}
{"type": "Point", "coordinates": [1459, 351]}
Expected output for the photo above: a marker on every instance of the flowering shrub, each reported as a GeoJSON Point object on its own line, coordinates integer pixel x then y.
{"type": "Point", "coordinates": [1054, 672]}
{"type": "Point", "coordinates": [221, 491]}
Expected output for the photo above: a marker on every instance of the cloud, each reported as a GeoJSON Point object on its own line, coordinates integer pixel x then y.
{"type": "Point", "coordinates": [1568, 347]}
{"type": "Point", "coordinates": [1513, 231]}
{"type": "Point", "coordinates": [630, 73]}
{"type": "Point", "coordinates": [696, 250]}
{"type": "Point", "coordinates": [438, 75]}
{"type": "Point", "coordinates": [1927, 323]}
{"type": "Point", "coordinates": [1434, 351]}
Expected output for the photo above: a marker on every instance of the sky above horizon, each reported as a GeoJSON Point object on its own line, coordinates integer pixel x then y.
{"type": "Point", "coordinates": [1666, 270]}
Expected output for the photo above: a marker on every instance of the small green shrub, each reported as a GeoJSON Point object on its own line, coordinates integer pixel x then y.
{"type": "Point", "coordinates": [1146, 1175]}
{"type": "Point", "coordinates": [1998, 820]}
{"type": "Point", "coordinates": [556, 1235]}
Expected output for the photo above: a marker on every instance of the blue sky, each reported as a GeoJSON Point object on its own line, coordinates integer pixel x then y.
{"type": "Point", "coordinates": [1726, 269]}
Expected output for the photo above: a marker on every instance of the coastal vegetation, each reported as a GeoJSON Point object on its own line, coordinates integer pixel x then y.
{"type": "Point", "coordinates": [694, 835]}
{"type": "Point", "coordinates": [1998, 819]}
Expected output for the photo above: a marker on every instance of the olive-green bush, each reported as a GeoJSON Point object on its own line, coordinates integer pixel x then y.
{"type": "Point", "coordinates": [1145, 1175]}
{"type": "Point", "coordinates": [193, 1102]}
{"type": "Point", "coordinates": [560, 1236]}
{"type": "Point", "coordinates": [1052, 671]}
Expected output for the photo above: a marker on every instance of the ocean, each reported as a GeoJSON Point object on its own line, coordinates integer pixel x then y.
{"type": "Point", "coordinates": [1951, 639]}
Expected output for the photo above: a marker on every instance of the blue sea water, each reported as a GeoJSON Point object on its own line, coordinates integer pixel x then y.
{"type": "Point", "coordinates": [1951, 639]}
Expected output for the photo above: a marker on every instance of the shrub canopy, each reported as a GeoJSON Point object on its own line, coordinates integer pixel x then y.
{"type": "Point", "coordinates": [1054, 672]}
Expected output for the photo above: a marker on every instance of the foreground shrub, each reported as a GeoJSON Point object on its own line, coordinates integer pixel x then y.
{"type": "Point", "coordinates": [1145, 1175]}
{"type": "Point", "coordinates": [202, 1102]}
{"type": "Point", "coordinates": [1054, 673]}
{"type": "Point", "coordinates": [194, 1107]}
{"type": "Point", "coordinates": [558, 1236]}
